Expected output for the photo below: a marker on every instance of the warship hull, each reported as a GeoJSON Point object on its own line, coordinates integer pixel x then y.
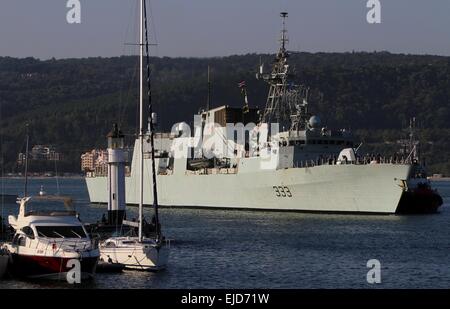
{"type": "Point", "coordinates": [371, 188]}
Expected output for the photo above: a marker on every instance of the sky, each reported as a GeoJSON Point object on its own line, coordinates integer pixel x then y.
{"type": "Point", "coordinates": [209, 28]}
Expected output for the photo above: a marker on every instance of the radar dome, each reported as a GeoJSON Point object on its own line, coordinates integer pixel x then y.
{"type": "Point", "coordinates": [314, 122]}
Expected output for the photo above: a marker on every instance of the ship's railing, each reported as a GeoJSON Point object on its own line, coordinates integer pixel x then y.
{"type": "Point", "coordinates": [73, 245]}
{"type": "Point", "coordinates": [364, 160]}
{"type": "Point", "coordinates": [213, 171]}
{"type": "Point", "coordinates": [104, 174]}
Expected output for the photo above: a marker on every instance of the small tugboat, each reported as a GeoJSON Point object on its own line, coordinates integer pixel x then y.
{"type": "Point", "coordinates": [47, 240]}
{"type": "Point", "coordinates": [418, 194]}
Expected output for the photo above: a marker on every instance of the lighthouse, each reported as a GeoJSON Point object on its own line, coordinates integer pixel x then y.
{"type": "Point", "coordinates": [116, 176]}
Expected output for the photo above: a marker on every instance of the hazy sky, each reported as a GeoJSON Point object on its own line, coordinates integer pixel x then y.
{"type": "Point", "coordinates": [200, 28]}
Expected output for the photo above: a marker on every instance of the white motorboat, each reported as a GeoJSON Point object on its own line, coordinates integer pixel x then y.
{"type": "Point", "coordinates": [48, 240]}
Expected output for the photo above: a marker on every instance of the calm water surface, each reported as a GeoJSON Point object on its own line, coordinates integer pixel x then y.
{"type": "Point", "coordinates": [254, 249]}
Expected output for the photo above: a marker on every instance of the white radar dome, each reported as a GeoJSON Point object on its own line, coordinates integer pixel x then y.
{"type": "Point", "coordinates": [314, 122]}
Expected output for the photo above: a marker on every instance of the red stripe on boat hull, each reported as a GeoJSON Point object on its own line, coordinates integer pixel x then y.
{"type": "Point", "coordinates": [32, 266]}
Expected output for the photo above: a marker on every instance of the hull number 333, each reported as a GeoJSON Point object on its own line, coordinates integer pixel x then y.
{"type": "Point", "coordinates": [282, 191]}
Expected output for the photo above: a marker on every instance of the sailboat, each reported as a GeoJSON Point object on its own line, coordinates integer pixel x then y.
{"type": "Point", "coordinates": [141, 253]}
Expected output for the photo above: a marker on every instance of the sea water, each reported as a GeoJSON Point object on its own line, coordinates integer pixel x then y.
{"type": "Point", "coordinates": [258, 249]}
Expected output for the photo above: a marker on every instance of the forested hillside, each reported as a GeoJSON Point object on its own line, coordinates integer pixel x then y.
{"type": "Point", "coordinates": [72, 103]}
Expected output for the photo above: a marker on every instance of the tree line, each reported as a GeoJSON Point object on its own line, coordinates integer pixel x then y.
{"type": "Point", "coordinates": [72, 103]}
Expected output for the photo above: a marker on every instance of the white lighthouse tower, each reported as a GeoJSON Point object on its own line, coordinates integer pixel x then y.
{"type": "Point", "coordinates": [116, 176]}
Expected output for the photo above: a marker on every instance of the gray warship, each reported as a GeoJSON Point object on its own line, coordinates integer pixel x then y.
{"type": "Point", "coordinates": [280, 158]}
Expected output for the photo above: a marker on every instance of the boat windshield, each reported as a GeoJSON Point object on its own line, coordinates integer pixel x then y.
{"type": "Point", "coordinates": [61, 231]}
{"type": "Point", "coordinates": [48, 205]}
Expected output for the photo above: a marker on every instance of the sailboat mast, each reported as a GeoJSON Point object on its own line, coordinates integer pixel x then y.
{"type": "Point", "coordinates": [152, 129]}
{"type": "Point", "coordinates": [208, 100]}
{"type": "Point", "coordinates": [141, 117]}
{"type": "Point", "coordinates": [25, 190]}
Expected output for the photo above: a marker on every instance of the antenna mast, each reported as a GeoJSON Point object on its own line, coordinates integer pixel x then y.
{"type": "Point", "coordinates": [284, 40]}
{"type": "Point", "coordinates": [25, 190]}
{"type": "Point", "coordinates": [278, 81]}
{"type": "Point", "coordinates": [286, 102]}
{"type": "Point", "coordinates": [208, 100]}
{"type": "Point", "coordinates": [412, 139]}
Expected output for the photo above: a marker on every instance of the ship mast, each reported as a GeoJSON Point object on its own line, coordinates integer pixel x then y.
{"type": "Point", "coordinates": [277, 79]}
{"type": "Point", "coordinates": [286, 102]}
{"type": "Point", "coordinates": [284, 40]}
{"type": "Point", "coordinates": [412, 139]}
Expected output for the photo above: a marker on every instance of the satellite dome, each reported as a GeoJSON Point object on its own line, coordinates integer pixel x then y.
{"type": "Point", "coordinates": [314, 122]}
